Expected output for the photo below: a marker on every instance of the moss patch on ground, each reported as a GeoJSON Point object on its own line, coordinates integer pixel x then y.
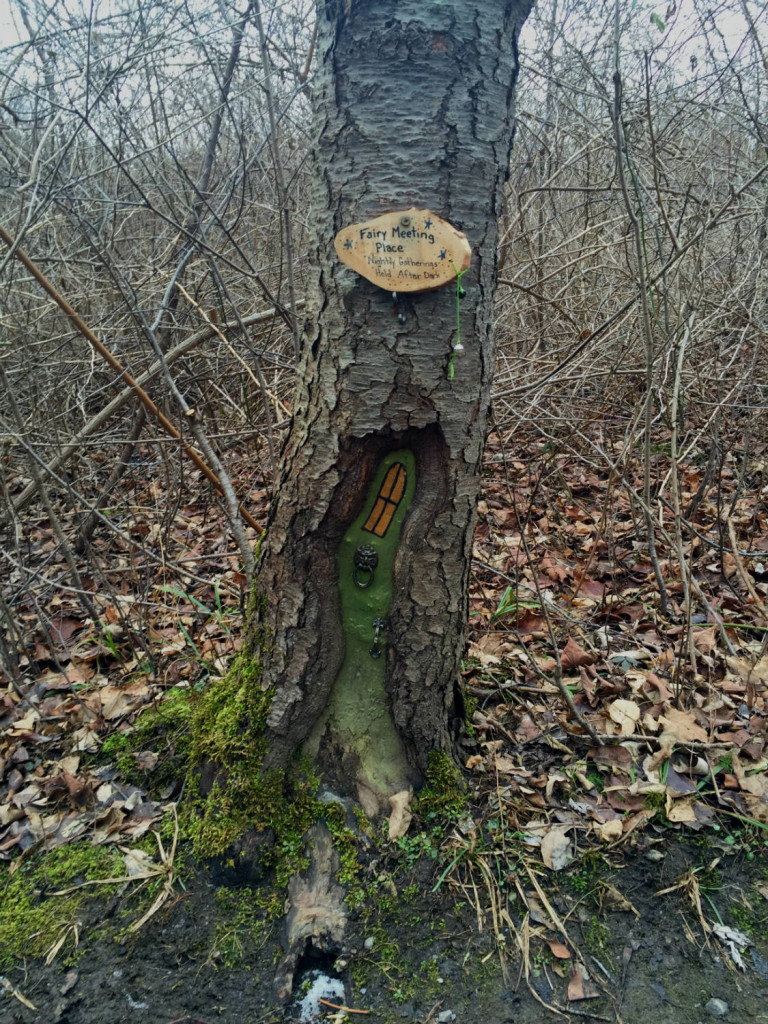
{"type": "Point", "coordinates": [32, 917]}
{"type": "Point", "coordinates": [248, 919]}
{"type": "Point", "coordinates": [163, 730]}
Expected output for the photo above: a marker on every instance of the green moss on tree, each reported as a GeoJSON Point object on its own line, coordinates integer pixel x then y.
{"type": "Point", "coordinates": [445, 792]}
{"type": "Point", "coordinates": [227, 734]}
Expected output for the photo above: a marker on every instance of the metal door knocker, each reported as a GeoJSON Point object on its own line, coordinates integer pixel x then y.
{"type": "Point", "coordinates": [366, 560]}
{"type": "Point", "coordinates": [378, 625]}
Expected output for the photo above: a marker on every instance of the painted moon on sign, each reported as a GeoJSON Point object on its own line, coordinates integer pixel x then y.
{"type": "Point", "coordinates": [405, 251]}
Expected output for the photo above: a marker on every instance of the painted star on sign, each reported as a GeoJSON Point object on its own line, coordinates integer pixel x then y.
{"type": "Point", "coordinates": [443, 254]}
{"type": "Point", "coordinates": [427, 224]}
{"type": "Point", "coordinates": [348, 244]}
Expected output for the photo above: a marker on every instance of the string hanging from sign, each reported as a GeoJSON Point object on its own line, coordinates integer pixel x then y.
{"type": "Point", "coordinates": [458, 348]}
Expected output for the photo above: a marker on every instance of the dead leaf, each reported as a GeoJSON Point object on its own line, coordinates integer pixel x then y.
{"type": "Point", "coordinates": [592, 588]}
{"type": "Point", "coordinates": [683, 725]}
{"type": "Point", "coordinates": [734, 941]}
{"type": "Point", "coordinates": [401, 816]}
{"type": "Point", "coordinates": [610, 897]}
{"type": "Point", "coordinates": [580, 987]}
{"type": "Point", "coordinates": [615, 757]}
{"type": "Point", "coordinates": [138, 863]}
{"type": "Point", "coordinates": [572, 655]}
{"type": "Point", "coordinates": [664, 692]}
{"type": "Point", "coordinates": [610, 831]}
{"type": "Point", "coordinates": [114, 701]}
{"type": "Point", "coordinates": [9, 988]}
{"type": "Point", "coordinates": [527, 729]}
{"type": "Point", "coordinates": [86, 740]}
{"type": "Point", "coordinates": [667, 742]}
{"type": "Point", "coordinates": [678, 784]}
{"type": "Point", "coordinates": [558, 949]}
{"type": "Point", "coordinates": [145, 759]}
{"type": "Point", "coordinates": [637, 654]}
{"type": "Point", "coordinates": [705, 640]}
{"type": "Point", "coordinates": [754, 788]}
{"type": "Point", "coordinates": [556, 848]}
{"type": "Point", "coordinates": [108, 826]}
{"type": "Point", "coordinates": [62, 630]}
{"type": "Point", "coordinates": [626, 714]}
{"type": "Point", "coordinates": [680, 810]}
{"type": "Point", "coordinates": [27, 723]}
{"type": "Point", "coordinates": [505, 765]}
{"type": "Point", "coordinates": [70, 980]}
{"type": "Point", "coordinates": [589, 686]}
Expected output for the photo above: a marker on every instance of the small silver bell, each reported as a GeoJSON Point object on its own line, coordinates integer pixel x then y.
{"type": "Point", "coordinates": [458, 349]}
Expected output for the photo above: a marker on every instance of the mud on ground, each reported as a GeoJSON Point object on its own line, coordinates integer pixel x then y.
{"type": "Point", "coordinates": [210, 956]}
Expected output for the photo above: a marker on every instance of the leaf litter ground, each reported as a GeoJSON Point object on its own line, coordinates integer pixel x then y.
{"type": "Point", "coordinates": [609, 864]}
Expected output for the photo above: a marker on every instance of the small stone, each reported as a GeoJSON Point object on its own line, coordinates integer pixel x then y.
{"type": "Point", "coordinates": [70, 980]}
{"type": "Point", "coordinates": [717, 1007]}
{"type": "Point", "coordinates": [446, 1017]}
{"type": "Point", "coordinates": [369, 942]}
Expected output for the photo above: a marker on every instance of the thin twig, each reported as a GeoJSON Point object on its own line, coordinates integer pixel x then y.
{"type": "Point", "coordinates": [104, 352]}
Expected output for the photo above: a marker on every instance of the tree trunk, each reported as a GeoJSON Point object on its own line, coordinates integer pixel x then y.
{"type": "Point", "coordinates": [414, 105]}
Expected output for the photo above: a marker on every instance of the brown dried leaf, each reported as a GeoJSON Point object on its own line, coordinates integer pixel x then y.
{"type": "Point", "coordinates": [626, 714]}
{"type": "Point", "coordinates": [558, 949]}
{"type": "Point", "coordinates": [556, 848]}
{"type": "Point", "coordinates": [683, 725]}
{"type": "Point", "coordinates": [580, 987]}
{"type": "Point", "coordinates": [664, 692]}
{"type": "Point", "coordinates": [610, 831]}
{"type": "Point", "coordinates": [705, 640]}
{"type": "Point", "coordinates": [573, 656]}
{"type": "Point", "coordinates": [681, 810]}
{"type": "Point", "coordinates": [755, 790]}
{"type": "Point", "coordinates": [64, 628]}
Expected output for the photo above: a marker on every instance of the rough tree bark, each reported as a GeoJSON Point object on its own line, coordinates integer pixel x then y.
{"type": "Point", "coordinates": [414, 107]}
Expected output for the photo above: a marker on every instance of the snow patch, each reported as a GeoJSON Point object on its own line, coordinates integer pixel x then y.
{"type": "Point", "coordinates": [322, 987]}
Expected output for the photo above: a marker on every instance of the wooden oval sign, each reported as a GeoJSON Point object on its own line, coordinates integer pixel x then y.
{"type": "Point", "coordinates": [405, 251]}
